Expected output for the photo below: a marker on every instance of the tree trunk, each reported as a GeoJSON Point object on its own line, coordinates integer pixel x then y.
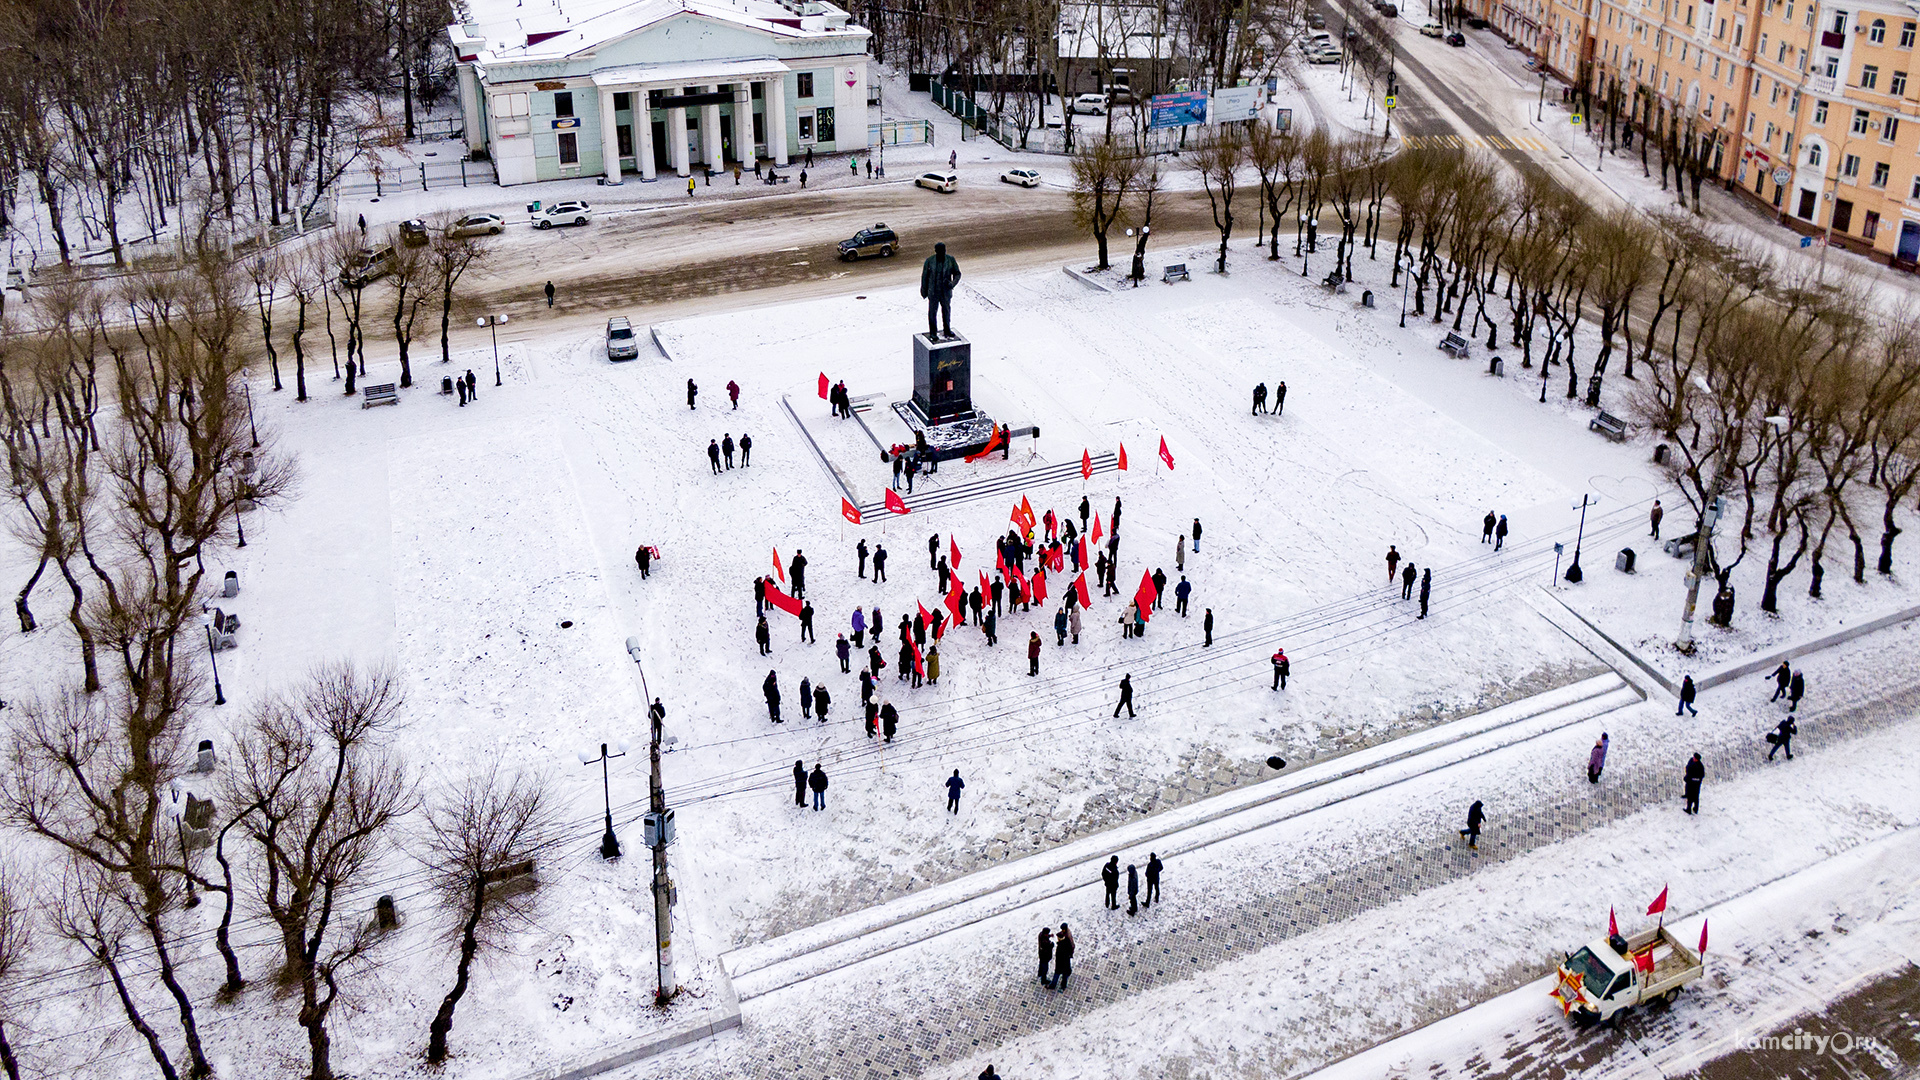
{"type": "Point", "coordinates": [1888, 530]}
{"type": "Point", "coordinates": [139, 1022]}
{"type": "Point", "coordinates": [469, 945]}
{"type": "Point", "coordinates": [27, 623]}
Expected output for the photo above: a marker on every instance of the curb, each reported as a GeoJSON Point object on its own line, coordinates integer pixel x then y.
{"type": "Point", "coordinates": [1082, 277]}
{"type": "Point", "coordinates": [654, 330]}
{"type": "Point", "coordinates": [1761, 663]}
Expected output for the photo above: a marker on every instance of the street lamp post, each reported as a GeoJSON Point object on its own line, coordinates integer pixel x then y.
{"type": "Point", "coordinates": [609, 843]}
{"type": "Point", "coordinates": [239, 525]}
{"type": "Point", "coordinates": [491, 322]}
{"type": "Point", "coordinates": [251, 426]}
{"type": "Point", "coordinates": [219, 695]}
{"type": "Point", "coordinates": [1574, 574]}
{"type": "Point", "coordinates": [1541, 110]}
{"type": "Point", "coordinates": [1406, 283]}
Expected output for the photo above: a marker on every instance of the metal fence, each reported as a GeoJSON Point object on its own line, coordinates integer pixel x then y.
{"type": "Point", "coordinates": [424, 176]}
{"type": "Point", "coordinates": [900, 133]}
{"type": "Point", "coordinates": [1008, 132]}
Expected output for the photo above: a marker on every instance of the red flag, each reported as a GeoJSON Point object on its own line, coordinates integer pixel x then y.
{"type": "Point", "coordinates": [955, 599]}
{"type": "Point", "coordinates": [1145, 594]}
{"type": "Point", "coordinates": [1703, 937]}
{"type": "Point", "coordinates": [1026, 511]}
{"type": "Point", "coordinates": [919, 667]}
{"type": "Point", "coordinates": [1039, 585]}
{"type": "Point", "coordinates": [1123, 457]}
{"type": "Point", "coordinates": [1057, 562]}
{"type": "Point", "coordinates": [777, 568]}
{"type": "Point", "coordinates": [1643, 962]}
{"type": "Point", "coordinates": [1082, 542]}
{"type": "Point", "coordinates": [983, 583]}
{"type": "Point", "coordinates": [849, 511]}
{"type": "Point", "coordinates": [1096, 536]}
{"type": "Point", "coordinates": [1165, 454]}
{"type": "Point", "coordinates": [1014, 575]}
{"type": "Point", "coordinates": [1659, 904]}
{"type": "Point", "coordinates": [925, 617]}
{"type": "Point", "coordinates": [999, 563]}
{"type": "Point", "coordinates": [1086, 464]}
{"type": "Point", "coordinates": [1613, 926]}
{"type": "Point", "coordinates": [782, 601]}
{"type": "Point", "coordinates": [1080, 586]}
{"type": "Point", "coordinates": [1016, 517]}
{"type": "Point", "coordinates": [992, 443]}
{"type": "Point", "coordinates": [953, 552]}
{"type": "Point", "coordinates": [823, 386]}
{"type": "Point", "coordinates": [895, 503]}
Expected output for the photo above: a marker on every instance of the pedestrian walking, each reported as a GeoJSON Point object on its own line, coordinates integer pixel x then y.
{"type": "Point", "coordinates": [713, 455]}
{"type": "Point", "coordinates": [1597, 759]}
{"type": "Point", "coordinates": [643, 556]}
{"type": "Point", "coordinates": [1280, 399]}
{"type": "Point", "coordinates": [1110, 877]}
{"type": "Point", "coordinates": [1426, 588]}
{"type": "Point", "coordinates": [803, 180]}
{"type": "Point", "coordinates": [1393, 561]}
{"type": "Point", "coordinates": [1476, 816]}
{"type": "Point", "coordinates": [806, 622]}
{"type": "Point", "coordinates": [1062, 957]}
{"type": "Point", "coordinates": [1696, 772]}
{"type": "Point", "coordinates": [1782, 737]}
{"type": "Point", "coordinates": [763, 637]}
{"type": "Point", "coordinates": [806, 698]}
{"type": "Point", "coordinates": [746, 450]}
{"type": "Point", "coordinates": [549, 292]}
{"type": "Point", "coordinates": [1046, 954]}
{"type": "Point", "coordinates": [726, 448]}
{"type": "Point", "coordinates": [1196, 536]}
{"type": "Point", "coordinates": [988, 627]}
{"type": "Point", "coordinates": [803, 183]}
{"type": "Point", "coordinates": [1782, 677]}
{"type": "Point", "coordinates": [1153, 879]}
{"type": "Point", "coordinates": [844, 651]}
{"type": "Point", "coordinates": [1654, 517]}
{"type": "Point", "coordinates": [771, 688]}
{"type": "Point", "coordinates": [1126, 696]}
{"type": "Point", "coordinates": [1180, 594]}
{"type": "Point", "coordinates": [1206, 627]}
{"type": "Point", "coordinates": [1060, 626]}
{"type": "Point", "coordinates": [1033, 653]}
{"type": "Point", "coordinates": [817, 781]}
{"type": "Point", "coordinates": [853, 166]}
{"type": "Point", "coordinates": [954, 784]}
{"type": "Point", "coordinates": [1407, 578]}
{"type": "Point", "coordinates": [953, 159]}
{"type": "Point", "coordinates": [733, 393]}
{"type": "Point", "coordinates": [889, 720]}
{"type": "Point", "coordinates": [1486, 528]}
{"type": "Point", "coordinates": [1500, 533]}
{"type": "Point", "coordinates": [799, 783]}
{"type": "Point", "coordinates": [1073, 617]}
{"type": "Point", "coordinates": [1180, 555]}
{"type": "Point", "coordinates": [879, 569]}
{"type": "Point", "coordinates": [1281, 668]}
{"type": "Point", "coordinates": [809, 157]}
{"type": "Point", "coordinates": [1795, 691]}
{"type": "Point", "coordinates": [1133, 890]}
{"type": "Point", "coordinates": [692, 392]}
{"type": "Point", "coordinates": [1686, 697]}
{"type": "Point", "coordinates": [363, 232]}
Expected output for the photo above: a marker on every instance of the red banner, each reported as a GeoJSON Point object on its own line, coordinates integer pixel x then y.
{"type": "Point", "coordinates": [1659, 902]}
{"type": "Point", "coordinates": [1145, 595]}
{"type": "Point", "coordinates": [1096, 534]}
{"type": "Point", "coordinates": [1165, 454]}
{"type": "Point", "coordinates": [849, 511]}
{"type": "Point", "coordinates": [1082, 542]}
{"type": "Point", "coordinates": [1080, 586]}
{"type": "Point", "coordinates": [956, 602]}
{"type": "Point", "coordinates": [992, 444]}
{"type": "Point", "coordinates": [1086, 464]}
{"type": "Point", "coordinates": [823, 386]}
{"type": "Point", "coordinates": [895, 503]}
{"type": "Point", "coordinates": [1039, 586]}
{"type": "Point", "coordinates": [953, 553]}
{"type": "Point", "coordinates": [782, 601]}
{"type": "Point", "coordinates": [1123, 457]}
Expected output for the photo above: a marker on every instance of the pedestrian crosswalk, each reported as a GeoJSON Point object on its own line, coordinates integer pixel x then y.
{"type": "Point", "coordinates": [1524, 143]}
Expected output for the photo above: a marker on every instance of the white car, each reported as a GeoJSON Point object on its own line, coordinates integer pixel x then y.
{"type": "Point", "coordinates": [1023, 177]}
{"type": "Point", "coordinates": [477, 225]}
{"type": "Point", "coordinates": [569, 212]}
{"type": "Point", "coordinates": [1327, 55]}
{"type": "Point", "coordinates": [1090, 104]}
{"type": "Point", "coordinates": [1431, 29]}
{"type": "Point", "coordinates": [939, 181]}
{"type": "Point", "coordinates": [621, 344]}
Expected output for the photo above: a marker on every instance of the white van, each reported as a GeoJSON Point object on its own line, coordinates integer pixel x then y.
{"type": "Point", "coordinates": [1090, 104]}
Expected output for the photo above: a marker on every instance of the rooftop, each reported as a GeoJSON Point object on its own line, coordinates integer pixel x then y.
{"type": "Point", "coordinates": [520, 30]}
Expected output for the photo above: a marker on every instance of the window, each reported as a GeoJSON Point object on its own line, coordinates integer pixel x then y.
{"type": "Point", "coordinates": [1664, 76]}
{"type": "Point", "coordinates": [1850, 166]}
{"type": "Point", "coordinates": [623, 137]}
{"type": "Point", "coordinates": [509, 106]}
{"type": "Point", "coordinates": [1768, 137]}
{"type": "Point", "coordinates": [1721, 30]}
{"type": "Point", "coordinates": [1814, 156]}
{"type": "Point", "coordinates": [1689, 14]}
{"type": "Point", "coordinates": [1786, 144]}
{"type": "Point", "coordinates": [1839, 23]}
{"type": "Point", "coordinates": [1914, 193]}
{"type": "Point", "coordinates": [1890, 129]}
{"type": "Point", "coordinates": [563, 103]}
{"type": "Point", "coordinates": [1831, 67]}
{"type": "Point", "coordinates": [1870, 228]}
{"type": "Point", "coordinates": [1877, 32]}
{"type": "Point", "coordinates": [1906, 35]}
{"type": "Point", "coordinates": [1750, 120]}
{"type": "Point", "coordinates": [1793, 103]}
{"type": "Point", "coordinates": [1819, 113]}
{"type": "Point", "coordinates": [1716, 67]}
{"type": "Point", "coordinates": [1781, 57]}
{"type": "Point", "coordinates": [1882, 172]}
{"type": "Point", "coordinates": [1897, 86]}
{"type": "Point", "coordinates": [1842, 215]}
{"type": "Point", "coordinates": [622, 101]}
{"type": "Point", "coordinates": [1763, 44]}
{"type": "Point", "coordinates": [1869, 76]}
{"type": "Point", "coordinates": [805, 84]}
{"type": "Point", "coordinates": [806, 129]}
{"type": "Point", "coordinates": [823, 124]}
{"type": "Point", "coordinates": [1862, 120]}
{"type": "Point", "coordinates": [569, 148]}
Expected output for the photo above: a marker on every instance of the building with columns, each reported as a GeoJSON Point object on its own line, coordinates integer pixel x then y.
{"type": "Point", "coordinates": [561, 89]}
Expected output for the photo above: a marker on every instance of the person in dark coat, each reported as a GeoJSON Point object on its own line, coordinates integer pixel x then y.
{"type": "Point", "coordinates": [799, 784]}
{"type": "Point", "coordinates": [889, 720]}
{"type": "Point", "coordinates": [946, 576]}
{"type": "Point", "coordinates": [771, 688]}
{"type": "Point", "coordinates": [879, 564]}
{"type": "Point", "coordinates": [733, 393]}
{"type": "Point", "coordinates": [746, 450]}
{"type": "Point", "coordinates": [806, 698]}
{"type": "Point", "coordinates": [797, 573]}
{"type": "Point", "coordinates": [1126, 696]}
{"type": "Point", "coordinates": [1046, 952]}
{"type": "Point", "coordinates": [1153, 879]}
{"type": "Point", "coordinates": [1086, 511]}
{"type": "Point", "coordinates": [844, 651]}
{"type": "Point", "coordinates": [1796, 689]}
{"type": "Point", "coordinates": [997, 589]}
{"type": "Point", "coordinates": [761, 635]}
{"type": "Point", "coordinates": [1159, 588]}
{"type": "Point", "coordinates": [1597, 759]}
{"type": "Point", "coordinates": [1259, 399]}
{"type": "Point", "coordinates": [1408, 576]}
{"type": "Point", "coordinates": [899, 466]}
{"type": "Point", "coordinates": [548, 290]}
{"type": "Point", "coordinates": [726, 448]}
{"type": "Point", "coordinates": [1281, 668]}
{"type": "Point", "coordinates": [1180, 594]}
{"type": "Point", "coordinates": [1654, 517]}
{"type": "Point", "coordinates": [1476, 816]}
{"type": "Point", "coordinates": [1206, 627]}
{"type": "Point", "coordinates": [954, 784]}
{"type": "Point", "coordinates": [1280, 398]}
{"type": "Point", "coordinates": [873, 716]}
{"type": "Point", "coordinates": [820, 702]}
{"type": "Point", "coordinates": [1486, 528]}
{"type": "Point", "coordinates": [974, 603]}
{"type": "Point", "coordinates": [1033, 653]}
{"type": "Point", "coordinates": [806, 622]}
{"type": "Point", "coordinates": [904, 662]}
{"type": "Point", "coordinates": [1133, 890]}
{"type": "Point", "coordinates": [1696, 772]}
{"type": "Point", "coordinates": [1393, 562]}
{"type": "Point", "coordinates": [987, 626]}
{"type": "Point", "coordinates": [1062, 957]}
{"type": "Point", "coordinates": [713, 455]}
{"type": "Point", "coordinates": [1114, 521]}
{"type": "Point", "coordinates": [644, 558]}
{"type": "Point", "coordinates": [1060, 626]}
{"type": "Point", "coordinates": [1782, 738]}
{"type": "Point", "coordinates": [817, 780]}
{"type": "Point", "coordinates": [919, 630]}
{"type": "Point", "coordinates": [933, 552]}
{"type": "Point", "coordinates": [867, 685]}
{"type": "Point", "coordinates": [875, 662]}
{"type": "Point", "coordinates": [692, 392]}
{"type": "Point", "coordinates": [1686, 697]}
{"type": "Point", "coordinates": [1426, 589]}
{"type": "Point", "coordinates": [1196, 536]}
{"type": "Point", "coordinates": [861, 550]}
{"type": "Point", "coordinates": [1782, 676]}
{"type": "Point", "coordinates": [1500, 533]}
{"type": "Point", "coordinates": [1110, 878]}
{"type": "Point", "coordinates": [760, 596]}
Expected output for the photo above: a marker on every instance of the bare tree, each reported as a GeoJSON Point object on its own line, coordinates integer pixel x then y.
{"type": "Point", "coordinates": [1218, 165]}
{"type": "Point", "coordinates": [16, 942]}
{"type": "Point", "coordinates": [449, 258]}
{"type": "Point", "coordinates": [483, 839]}
{"type": "Point", "coordinates": [89, 912]}
{"type": "Point", "coordinates": [412, 286]}
{"type": "Point", "coordinates": [1104, 173]}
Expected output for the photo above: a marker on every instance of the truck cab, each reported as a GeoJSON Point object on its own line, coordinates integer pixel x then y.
{"type": "Point", "coordinates": [1607, 978]}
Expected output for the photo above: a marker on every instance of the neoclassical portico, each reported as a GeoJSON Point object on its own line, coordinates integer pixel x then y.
{"type": "Point", "coordinates": [676, 88]}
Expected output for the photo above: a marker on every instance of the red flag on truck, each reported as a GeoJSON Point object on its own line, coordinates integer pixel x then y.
{"type": "Point", "coordinates": [1659, 904]}
{"type": "Point", "coordinates": [1613, 926]}
{"type": "Point", "coordinates": [1703, 937]}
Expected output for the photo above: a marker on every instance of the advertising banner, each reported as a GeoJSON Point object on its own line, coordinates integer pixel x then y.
{"type": "Point", "coordinates": [1177, 110]}
{"type": "Point", "coordinates": [1234, 103]}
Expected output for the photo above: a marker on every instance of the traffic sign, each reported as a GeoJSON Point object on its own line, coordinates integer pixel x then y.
{"type": "Point", "coordinates": [1806, 241]}
{"type": "Point", "coordinates": [1392, 101]}
{"type": "Point", "coordinates": [1574, 119]}
{"type": "Point", "coordinates": [1781, 175]}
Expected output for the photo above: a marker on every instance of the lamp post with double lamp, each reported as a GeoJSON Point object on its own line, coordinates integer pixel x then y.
{"type": "Point", "coordinates": [609, 843]}
{"type": "Point", "coordinates": [491, 322]}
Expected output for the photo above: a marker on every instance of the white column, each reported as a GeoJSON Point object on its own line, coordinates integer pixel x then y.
{"type": "Point", "coordinates": [609, 135]}
{"type": "Point", "coordinates": [743, 148]}
{"type": "Point", "coordinates": [710, 147]}
{"type": "Point", "coordinates": [777, 119]}
{"type": "Point", "coordinates": [643, 133]}
{"type": "Point", "coordinates": [677, 135]}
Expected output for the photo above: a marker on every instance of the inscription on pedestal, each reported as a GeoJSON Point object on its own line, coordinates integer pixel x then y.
{"type": "Point", "coordinates": [942, 376]}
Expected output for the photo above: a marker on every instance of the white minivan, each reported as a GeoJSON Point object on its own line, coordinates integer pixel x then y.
{"type": "Point", "coordinates": [1091, 104]}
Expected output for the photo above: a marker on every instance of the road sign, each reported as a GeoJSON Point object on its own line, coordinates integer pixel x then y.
{"type": "Point", "coordinates": [1781, 175]}
{"type": "Point", "coordinates": [1806, 241]}
{"type": "Point", "coordinates": [1392, 101]}
{"type": "Point", "coordinates": [1574, 119]}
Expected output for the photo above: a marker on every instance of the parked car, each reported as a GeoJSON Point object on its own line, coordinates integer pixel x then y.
{"type": "Point", "coordinates": [1118, 93]}
{"type": "Point", "coordinates": [939, 181]}
{"type": "Point", "coordinates": [878, 240]}
{"type": "Point", "coordinates": [1328, 55]}
{"type": "Point", "coordinates": [1431, 29]}
{"type": "Point", "coordinates": [1023, 177]}
{"type": "Point", "coordinates": [1474, 22]}
{"type": "Point", "coordinates": [413, 232]}
{"type": "Point", "coordinates": [1090, 104]}
{"type": "Point", "coordinates": [477, 225]}
{"type": "Point", "coordinates": [567, 212]}
{"type": "Point", "coordinates": [369, 265]}
{"type": "Point", "coordinates": [1389, 11]}
{"type": "Point", "coordinates": [621, 344]}
{"type": "Point", "coordinates": [1317, 21]}
{"type": "Point", "coordinates": [1457, 39]}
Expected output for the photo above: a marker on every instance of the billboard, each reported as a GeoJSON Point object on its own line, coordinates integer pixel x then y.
{"type": "Point", "coordinates": [1177, 110]}
{"type": "Point", "coordinates": [1234, 103]}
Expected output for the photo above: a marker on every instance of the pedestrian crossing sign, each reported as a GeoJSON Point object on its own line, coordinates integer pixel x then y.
{"type": "Point", "coordinates": [1574, 119]}
{"type": "Point", "coordinates": [1392, 101]}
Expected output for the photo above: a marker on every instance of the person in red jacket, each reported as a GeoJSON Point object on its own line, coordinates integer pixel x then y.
{"type": "Point", "coordinates": [1281, 665]}
{"type": "Point", "coordinates": [1033, 653]}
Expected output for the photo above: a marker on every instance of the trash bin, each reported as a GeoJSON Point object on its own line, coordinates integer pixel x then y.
{"type": "Point", "coordinates": [446, 384]}
{"type": "Point", "coordinates": [1660, 454]}
{"type": "Point", "coordinates": [1366, 298]}
{"type": "Point", "coordinates": [1496, 366]}
{"type": "Point", "coordinates": [1623, 562]}
{"type": "Point", "coordinates": [230, 586]}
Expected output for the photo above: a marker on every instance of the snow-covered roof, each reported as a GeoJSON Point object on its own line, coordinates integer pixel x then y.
{"type": "Point", "coordinates": [676, 74]}
{"type": "Point", "coordinates": [1113, 32]}
{"type": "Point", "coordinates": [522, 30]}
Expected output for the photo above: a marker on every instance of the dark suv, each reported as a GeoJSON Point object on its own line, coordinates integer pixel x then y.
{"type": "Point", "coordinates": [878, 240]}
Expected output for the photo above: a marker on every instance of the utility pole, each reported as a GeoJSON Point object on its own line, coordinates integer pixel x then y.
{"type": "Point", "coordinates": [659, 835]}
{"type": "Point", "coordinates": [1701, 539]}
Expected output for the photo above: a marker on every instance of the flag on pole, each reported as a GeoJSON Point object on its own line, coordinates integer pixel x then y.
{"type": "Point", "coordinates": [953, 552]}
{"type": "Point", "coordinates": [1026, 511]}
{"type": "Point", "coordinates": [919, 666]}
{"type": "Point", "coordinates": [895, 503]}
{"type": "Point", "coordinates": [823, 386]}
{"type": "Point", "coordinates": [1080, 586]}
{"type": "Point", "coordinates": [993, 442]}
{"type": "Point", "coordinates": [1096, 536]}
{"type": "Point", "coordinates": [999, 563]}
{"type": "Point", "coordinates": [1145, 595]}
{"type": "Point", "coordinates": [849, 511]}
{"type": "Point", "coordinates": [1703, 937]}
{"type": "Point", "coordinates": [781, 600]}
{"type": "Point", "coordinates": [1659, 905]}
{"type": "Point", "coordinates": [1081, 542]}
{"type": "Point", "coordinates": [777, 568]}
{"type": "Point", "coordinates": [1613, 925]}
{"type": "Point", "coordinates": [983, 583]}
{"type": "Point", "coordinates": [956, 599]}
{"type": "Point", "coordinates": [1165, 454]}
{"type": "Point", "coordinates": [1086, 464]}
{"type": "Point", "coordinates": [1123, 457]}
{"type": "Point", "coordinates": [1039, 585]}
{"type": "Point", "coordinates": [1057, 559]}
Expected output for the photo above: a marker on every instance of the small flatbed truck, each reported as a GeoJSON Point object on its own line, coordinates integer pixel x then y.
{"type": "Point", "coordinates": [1606, 979]}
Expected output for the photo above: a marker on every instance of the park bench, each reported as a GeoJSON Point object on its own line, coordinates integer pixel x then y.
{"type": "Point", "coordinates": [378, 394]}
{"type": "Point", "coordinates": [1335, 282]}
{"type": "Point", "coordinates": [1609, 425]}
{"type": "Point", "coordinates": [1456, 346]}
{"type": "Point", "coordinates": [777, 178]}
{"type": "Point", "coordinates": [1177, 270]}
